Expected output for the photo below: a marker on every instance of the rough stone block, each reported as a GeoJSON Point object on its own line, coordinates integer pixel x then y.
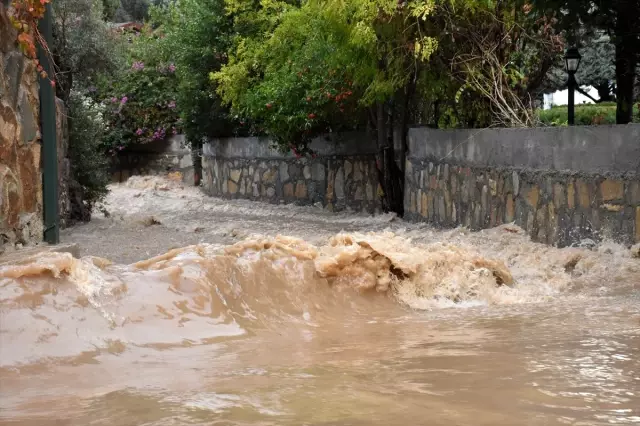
{"type": "Point", "coordinates": [358, 173]}
{"type": "Point", "coordinates": [269, 176]}
{"type": "Point", "coordinates": [433, 182]}
{"type": "Point", "coordinates": [329, 195]}
{"type": "Point", "coordinates": [369, 191]}
{"type": "Point", "coordinates": [533, 196]}
{"type": "Point", "coordinates": [270, 192]}
{"type": "Point", "coordinates": [637, 224]}
{"type": "Point", "coordinates": [301, 190]}
{"type": "Point", "coordinates": [515, 180]}
{"type": "Point", "coordinates": [424, 205]}
{"type": "Point", "coordinates": [584, 194]}
{"type": "Point", "coordinates": [485, 198]}
{"type": "Point", "coordinates": [289, 190]}
{"type": "Point", "coordinates": [359, 194]}
{"type": "Point", "coordinates": [559, 197]}
{"type": "Point", "coordinates": [412, 206]}
{"type": "Point", "coordinates": [510, 213]}
{"type": "Point", "coordinates": [634, 193]}
{"type": "Point", "coordinates": [295, 171]}
{"type": "Point", "coordinates": [493, 186]}
{"type": "Point", "coordinates": [13, 69]}
{"type": "Point", "coordinates": [612, 207]}
{"type": "Point", "coordinates": [339, 184]}
{"type": "Point", "coordinates": [571, 196]}
{"type": "Point", "coordinates": [284, 172]}
{"type": "Point", "coordinates": [612, 190]}
{"type": "Point", "coordinates": [442, 209]}
{"type": "Point", "coordinates": [233, 187]}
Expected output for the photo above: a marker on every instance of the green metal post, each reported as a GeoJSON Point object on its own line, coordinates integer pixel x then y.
{"type": "Point", "coordinates": [48, 130]}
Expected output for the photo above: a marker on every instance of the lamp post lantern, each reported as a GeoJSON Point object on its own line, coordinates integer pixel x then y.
{"type": "Point", "coordinates": [572, 63]}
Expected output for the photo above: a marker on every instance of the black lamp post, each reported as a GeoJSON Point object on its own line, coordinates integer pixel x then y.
{"type": "Point", "coordinates": [572, 63]}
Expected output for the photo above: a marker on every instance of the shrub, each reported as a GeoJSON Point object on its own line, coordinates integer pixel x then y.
{"type": "Point", "coordinates": [586, 115]}
{"type": "Point", "coordinates": [140, 104]}
{"type": "Point", "coordinates": [89, 164]}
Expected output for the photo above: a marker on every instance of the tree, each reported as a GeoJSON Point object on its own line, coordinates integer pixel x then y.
{"type": "Point", "coordinates": [502, 52]}
{"type": "Point", "coordinates": [619, 19]}
{"type": "Point", "coordinates": [133, 10]}
{"type": "Point", "coordinates": [597, 68]}
{"type": "Point", "coordinates": [83, 45]}
{"type": "Point", "coordinates": [323, 57]}
{"type": "Point", "coordinates": [195, 35]}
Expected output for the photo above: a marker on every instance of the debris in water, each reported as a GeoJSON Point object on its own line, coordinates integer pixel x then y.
{"type": "Point", "coordinates": [571, 263]}
{"type": "Point", "coordinates": [150, 221]}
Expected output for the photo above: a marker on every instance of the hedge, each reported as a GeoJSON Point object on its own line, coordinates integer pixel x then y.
{"type": "Point", "coordinates": [586, 115]}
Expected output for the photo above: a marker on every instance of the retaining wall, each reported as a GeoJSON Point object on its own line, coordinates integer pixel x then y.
{"type": "Point", "coordinates": [343, 174]}
{"type": "Point", "coordinates": [154, 158]}
{"type": "Point", "coordinates": [560, 184]}
{"type": "Point", "coordinates": [20, 176]}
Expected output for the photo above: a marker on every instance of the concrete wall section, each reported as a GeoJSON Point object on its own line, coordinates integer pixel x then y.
{"type": "Point", "coordinates": [252, 147]}
{"type": "Point", "coordinates": [342, 176]}
{"type": "Point", "coordinates": [588, 149]}
{"type": "Point", "coordinates": [562, 185]}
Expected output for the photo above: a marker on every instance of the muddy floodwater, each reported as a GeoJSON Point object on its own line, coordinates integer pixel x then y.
{"type": "Point", "coordinates": [189, 310]}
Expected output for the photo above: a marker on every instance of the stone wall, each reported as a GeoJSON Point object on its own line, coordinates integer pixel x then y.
{"type": "Point", "coordinates": [154, 158]}
{"type": "Point", "coordinates": [342, 175]}
{"type": "Point", "coordinates": [20, 176]}
{"type": "Point", "coordinates": [560, 184]}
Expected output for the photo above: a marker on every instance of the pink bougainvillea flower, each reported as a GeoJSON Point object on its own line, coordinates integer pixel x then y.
{"type": "Point", "coordinates": [124, 100]}
{"type": "Point", "coordinates": [114, 99]}
{"type": "Point", "coordinates": [139, 132]}
{"type": "Point", "coordinates": [172, 104]}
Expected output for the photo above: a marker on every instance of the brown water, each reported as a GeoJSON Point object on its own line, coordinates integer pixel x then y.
{"type": "Point", "coordinates": [411, 327]}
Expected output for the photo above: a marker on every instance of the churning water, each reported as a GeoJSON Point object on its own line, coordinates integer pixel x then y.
{"type": "Point", "coordinates": [395, 327]}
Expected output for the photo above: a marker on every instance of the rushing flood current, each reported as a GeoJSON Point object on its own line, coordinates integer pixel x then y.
{"type": "Point", "coordinates": [399, 326]}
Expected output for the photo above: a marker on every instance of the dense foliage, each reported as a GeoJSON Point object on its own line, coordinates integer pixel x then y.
{"type": "Point", "coordinates": [141, 102]}
{"type": "Point", "coordinates": [619, 19]}
{"type": "Point", "coordinates": [87, 128]}
{"type": "Point", "coordinates": [196, 35]}
{"type": "Point", "coordinates": [293, 69]}
{"type": "Point", "coordinates": [586, 115]}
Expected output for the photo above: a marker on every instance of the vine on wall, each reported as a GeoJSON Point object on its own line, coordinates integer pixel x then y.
{"type": "Point", "coordinates": [24, 16]}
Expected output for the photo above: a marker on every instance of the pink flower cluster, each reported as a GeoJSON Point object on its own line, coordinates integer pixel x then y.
{"type": "Point", "coordinates": [159, 134]}
{"type": "Point", "coordinates": [138, 66]}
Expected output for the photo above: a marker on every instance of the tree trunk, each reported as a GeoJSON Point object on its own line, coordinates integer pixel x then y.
{"type": "Point", "coordinates": [626, 43]}
{"type": "Point", "coordinates": [389, 174]}
{"type": "Point", "coordinates": [604, 92]}
{"type": "Point", "coordinates": [196, 159]}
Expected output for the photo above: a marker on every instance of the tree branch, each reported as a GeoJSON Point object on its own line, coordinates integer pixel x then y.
{"type": "Point", "coordinates": [579, 90]}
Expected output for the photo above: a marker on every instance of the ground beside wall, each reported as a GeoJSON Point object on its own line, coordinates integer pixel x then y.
{"type": "Point", "coordinates": [562, 185]}
{"type": "Point", "coordinates": [343, 174]}
{"type": "Point", "coordinates": [20, 176]}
